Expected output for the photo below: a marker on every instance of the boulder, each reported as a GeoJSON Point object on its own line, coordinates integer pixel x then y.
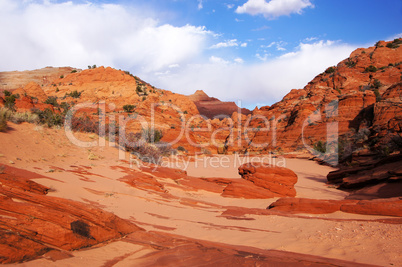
{"type": "Point", "coordinates": [280, 181]}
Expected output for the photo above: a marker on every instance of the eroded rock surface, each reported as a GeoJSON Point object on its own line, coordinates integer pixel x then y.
{"type": "Point", "coordinates": [32, 223]}
{"type": "Point", "coordinates": [280, 181]}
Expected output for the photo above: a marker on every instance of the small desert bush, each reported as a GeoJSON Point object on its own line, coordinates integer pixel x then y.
{"type": "Point", "coordinates": [377, 95]}
{"type": "Point", "coordinates": [330, 70]}
{"type": "Point", "coordinates": [151, 135]}
{"type": "Point", "coordinates": [395, 44]}
{"type": "Point", "coordinates": [10, 101]}
{"type": "Point", "coordinates": [49, 117]}
{"type": "Point", "coordinates": [147, 147]}
{"type": "Point", "coordinates": [6, 93]}
{"type": "Point", "coordinates": [377, 84]}
{"type": "Point", "coordinates": [145, 152]}
{"type": "Point", "coordinates": [52, 100]}
{"type": "Point", "coordinates": [350, 63]}
{"type": "Point", "coordinates": [165, 149]}
{"type": "Point", "coordinates": [128, 108]}
{"type": "Point", "coordinates": [182, 149]}
{"type": "Point", "coordinates": [320, 147]}
{"type": "Point", "coordinates": [84, 124]}
{"type": "Point", "coordinates": [74, 94]}
{"type": "Point", "coordinates": [3, 122]}
{"type": "Point", "coordinates": [370, 68]}
{"type": "Point", "coordinates": [18, 117]}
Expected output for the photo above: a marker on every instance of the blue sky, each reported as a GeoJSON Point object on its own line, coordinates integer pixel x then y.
{"type": "Point", "coordinates": [253, 51]}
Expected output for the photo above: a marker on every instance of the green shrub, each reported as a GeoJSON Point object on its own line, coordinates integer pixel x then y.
{"type": "Point", "coordinates": [84, 124]}
{"type": "Point", "coordinates": [138, 89]}
{"type": "Point", "coordinates": [378, 44]}
{"type": "Point", "coordinates": [65, 106]}
{"type": "Point", "coordinates": [18, 117]}
{"type": "Point", "coordinates": [74, 94]}
{"type": "Point", "coordinates": [10, 101]}
{"type": "Point", "coordinates": [330, 70]}
{"type": "Point", "coordinates": [377, 95]}
{"type": "Point", "coordinates": [377, 84]}
{"type": "Point", "coordinates": [395, 43]}
{"type": "Point", "coordinates": [7, 93]}
{"type": "Point", "coordinates": [3, 122]}
{"type": "Point", "coordinates": [52, 100]}
{"type": "Point", "coordinates": [73, 71]}
{"type": "Point", "coordinates": [350, 63]}
{"type": "Point", "coordinates": [128, 108]}
{"type": "Point", "coordinates": [61, 76]}
{"type": "Point", "coordinates": [151, 135]}
{"type": "Point", "coordinates": [180, 148]}
{"type": "Point", "coordinates": [49, 117]}
{"type": "Point", "coordinates": [370, 68]}
{"type": "Point", "coordinates": [320, 147]}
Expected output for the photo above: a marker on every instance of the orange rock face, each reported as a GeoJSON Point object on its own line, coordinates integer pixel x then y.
{"type": "Point", "coordinates": [384, 207]}
{"type": "Point", "coordinates": [48, 223]}
{"type": "Point", "coordinates": [212, 107]}
{"type": "Point", "coordinates": [361, 91]}
{"type": "Point", "coordinates": [280, 181]}
{"type": "Point", "coordinates": [353, 94]}
{"type": "Point", "coordinates": [32, 89]}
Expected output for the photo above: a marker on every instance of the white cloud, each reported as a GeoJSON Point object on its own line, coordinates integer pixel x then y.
{"type": "Point", "coordinates": [239, 60]}
{"type": "Point", "coordinates": [262, 57]}
{"type": "Point", "coordinates": [396, 36]}
{"type": "Point", "coordinates": [169, 57]}
{"type": "Point", "coordinates": [279, 45]}
{"type": "Point", "coordinates": [230, 6]}
{"type": "Point", "coordinates": [70, 34]}
{"type": "Point", "coordinates": [310, 39]}
{"type": "Point", "coordinates": [228, 43]}
{"type": "Point", "coordinates": [273, 8]}
{"type": "Point", "coordinates": [253, 83]}
{"type": "Point", "coordinates": [243, 45]}
{"type": "Point", "coordinates": [218, 60]}
{"type": "Point", "coordinates": [200, 6]}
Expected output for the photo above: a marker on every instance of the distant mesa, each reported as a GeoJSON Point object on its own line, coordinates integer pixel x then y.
{"type": "Point", "coordinates": [212, 107]}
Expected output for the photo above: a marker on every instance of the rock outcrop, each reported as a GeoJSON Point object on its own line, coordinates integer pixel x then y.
{"type": "Point", "coordinates": [278, 180]}
{"type": "Point", "coordinates": [360, 92]}
{"type": "Point", "coordinates": [214, 108]}
{"type": "Point", "coordinates": [32, 223]}
{"type": "Point", "coordinates": [383, 207]}
{"type": "Point", "coordinates": [32, 89]}
{"type": "Point", "coordinates": [370, 178]}
{"type": "Point", "coordinates": [13, 80]}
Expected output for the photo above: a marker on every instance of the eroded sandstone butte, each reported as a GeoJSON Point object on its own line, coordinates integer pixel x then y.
{"type": "Point", "coordinates": [359, 98]}
{"type": "Point", "coordinates": [361, 94]}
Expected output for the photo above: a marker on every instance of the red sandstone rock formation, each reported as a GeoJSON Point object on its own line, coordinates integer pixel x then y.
{"type": "Point", "coordinates": [383, 207]}
{"type": "Point", "coordinates": [32, 89]}
{"type": "Point", "coordinates": [361, 91]}
{"type": "Point", "coordinates": [47, 223]}
{"type": "Point", "coordinates": [278, 180]}
{"type": "Point", "coordinates": [212, 107]}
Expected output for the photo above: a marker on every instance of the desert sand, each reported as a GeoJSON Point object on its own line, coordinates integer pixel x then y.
{"type": "Point", "coordinates": [91, 175]}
